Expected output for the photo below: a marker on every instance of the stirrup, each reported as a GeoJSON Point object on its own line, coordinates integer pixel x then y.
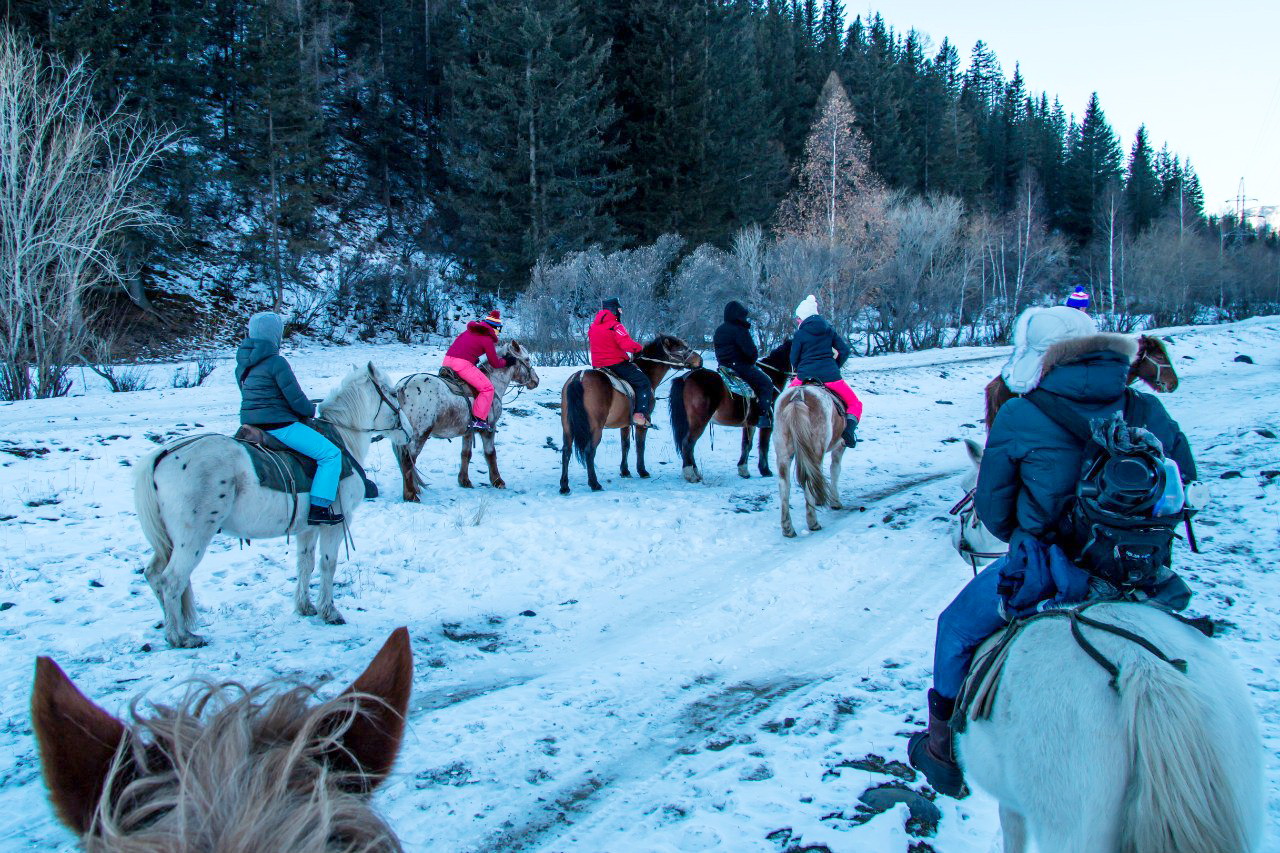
{"type": "Point", "coordinates": [323, 515]}
{"type": "Point", "coordinates": [480, 425]}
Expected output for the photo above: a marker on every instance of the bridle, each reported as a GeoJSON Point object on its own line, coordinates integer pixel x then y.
{"type": "Point", "coordinates": [1160, 368]}
{"type": "Point", "coordinates": [967, 511]}
{"type": "Point", "coordinates": [382, 400]}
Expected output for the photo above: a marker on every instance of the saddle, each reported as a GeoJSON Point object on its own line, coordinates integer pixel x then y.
{"type": "Point", "coordinates": [736, 384]}
{"type": "Point", "coordinates": [819, 384]}
{"type": "Point", "coordinates": [619, 385]}
{"type": "Point", "coordinates": [282, 469]}
{"type": "Point", "coordinates": [456, 383]}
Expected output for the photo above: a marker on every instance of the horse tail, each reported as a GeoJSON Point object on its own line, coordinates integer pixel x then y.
{"type": "Point", "coordinates": [810, 444]}
{"type": "Point", "coordinates": [146, 501]}
{"type": "Point", "coordinates": [679, 417]}
{"type": "Point", "coordinates": [1185, 793]}
{"type": "Point", "coordinates": [579, 422]}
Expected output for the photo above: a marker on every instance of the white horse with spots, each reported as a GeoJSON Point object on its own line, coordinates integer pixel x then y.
{"type": "Point", "coordinates": [978, 545]}
{"type": "Point", "coordinates": [1156, 760]}
{"type": "Point", "coordinates": [196, 487]}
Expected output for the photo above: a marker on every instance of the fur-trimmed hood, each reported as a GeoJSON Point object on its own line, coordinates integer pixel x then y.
{"type": "Point", "coordinates": [1090, 369]}
{"type": "Point", "coordinates": [1065, 352]}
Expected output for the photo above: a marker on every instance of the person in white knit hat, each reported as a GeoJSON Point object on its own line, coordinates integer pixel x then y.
{"type": "Point", "coordinates": [1029, 476]}
{"type": "Point", "coordinates": [812, 360]}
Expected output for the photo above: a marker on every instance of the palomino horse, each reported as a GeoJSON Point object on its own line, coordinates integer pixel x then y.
{"type": "Point", "coordinates": [1151, 364]}
{"type": "Point", "coordinates": [702, 398]}
{"type": "Point", "coordinates": [978, 545]}
{"type": "Point", "coordinates": [195, 487]}
{"type": "Point", "coordinates": [229, 768]}
{"type": "Point", "coordinates": [1158, 752]}
{"type": "Point", "coordinates": [589, 404]}
{"type": "Point", "coordinates": [808, 421]}
{"type": "Point", "coordinates": [433, 410]}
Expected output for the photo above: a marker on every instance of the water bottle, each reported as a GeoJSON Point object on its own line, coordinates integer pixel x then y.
{"type": "Point", "coordinates": [1173, 498]}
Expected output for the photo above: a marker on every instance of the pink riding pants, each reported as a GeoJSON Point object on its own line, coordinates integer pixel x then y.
{"type": "Point", "coordinates": [474, 377]}
{"type": "Point", "coordinates": [852, 405]}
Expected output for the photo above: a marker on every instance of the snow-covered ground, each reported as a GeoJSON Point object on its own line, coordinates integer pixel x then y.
{"type": "Point", "coordinates": [649, 668]}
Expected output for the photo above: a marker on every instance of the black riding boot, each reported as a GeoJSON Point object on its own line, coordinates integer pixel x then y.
{"type": "Point", "coordinates": [765, 421]}
{"type": "Point", "coordinates": [324, 515]}
{"type": "Point", "coordinates": [932, 752]}
{"type": "Point", "coordinates": [850, 434]}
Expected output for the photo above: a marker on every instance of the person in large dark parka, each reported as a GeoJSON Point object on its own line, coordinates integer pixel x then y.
{"type": "Point", "coordinates": [736, 350]}
{"type": "Point", "coordinates": [1027, 479]}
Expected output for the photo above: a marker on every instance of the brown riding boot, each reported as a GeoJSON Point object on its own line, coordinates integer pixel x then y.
{"type": "Point", "coordinates": [932, 752]}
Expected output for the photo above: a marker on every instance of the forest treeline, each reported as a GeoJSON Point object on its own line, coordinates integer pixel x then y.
{"type": "Point", "coordinates": [348, 158]}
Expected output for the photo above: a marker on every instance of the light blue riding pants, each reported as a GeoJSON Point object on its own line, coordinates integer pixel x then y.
{"type": "Point", "coordinates": [308, 442]}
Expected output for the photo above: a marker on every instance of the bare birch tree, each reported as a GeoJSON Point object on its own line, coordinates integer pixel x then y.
{"type": "Point", "coordinates": [67, 180]}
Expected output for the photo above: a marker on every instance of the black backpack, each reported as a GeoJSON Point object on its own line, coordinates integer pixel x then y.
{"type": "Point", "coordinates": [1109, 528]}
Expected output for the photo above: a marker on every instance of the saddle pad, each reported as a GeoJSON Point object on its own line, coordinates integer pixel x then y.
{"type": "Point", "coordinates": [456, 383]}
{"type": "Point", "coordinates": [281, 469]}
{"type": "Point", "coordinates": [818, 384]}
{"type": "Point", "coordinates": [736, 384]}
{"type": "Point", "coordinates": [618, 385]}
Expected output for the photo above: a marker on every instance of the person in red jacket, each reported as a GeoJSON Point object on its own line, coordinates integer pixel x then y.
{"type": "Point", "coordinates": [611, 350]}
{"type": "Point", "coordinates": [463, 356]}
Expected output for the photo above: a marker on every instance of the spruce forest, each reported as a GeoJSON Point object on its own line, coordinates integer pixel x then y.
{"type": "Point", "coordinates": [370, 166]}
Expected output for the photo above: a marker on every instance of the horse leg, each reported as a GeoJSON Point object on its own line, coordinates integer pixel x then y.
{"type": "Point", "coordinates": [565, 452]}
{"type": "Point", "coordinates": [173, 588]}
{"type": "Point", "coordinates": [836, 456]}
{"type": "Point", "coordinates": [784, 489]}
{"type": "Point", "coordinates": [491, 459]}
{"type": "Point", "coordinates": [464, 475]}
{"type": "Point", "coordinates": [592, 480]}
{"type": "Point", "coordinates": [306, 563]}
{"type": "Point", "coordinates": [765, 435]}
{"type": "Point", "coordinates": [626, 450]}
{"type": "Point", "coordinates": [641, 433]}
{"type": "Point", "coordinates": [1014, 829]}
{"type": "Point", "coordinates": [330, 541]}
{"type": "Point", "coordinates": [748, 433]}
{"type": "Point", "coordinates": [407, 456]}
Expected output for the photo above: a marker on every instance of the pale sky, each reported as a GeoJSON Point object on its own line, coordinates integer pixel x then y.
{"type": "Point", "coordinates": [1204, 77]}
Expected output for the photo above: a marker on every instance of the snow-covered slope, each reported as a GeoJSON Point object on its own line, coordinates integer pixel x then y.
{"type": "Point", "coordinates": [649, 668]}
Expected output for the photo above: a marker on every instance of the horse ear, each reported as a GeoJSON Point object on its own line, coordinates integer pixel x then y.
{"type": "Point", "coordinates": [975, 451]}
{"type": "Point", "coordinates": [78, 743]}
{"type": "Point", "coordinates": [370, 744]}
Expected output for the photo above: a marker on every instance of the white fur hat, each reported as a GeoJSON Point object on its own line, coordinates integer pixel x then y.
{"type": "Point", "coordinates": [1037, 330]}
{"type": "Point", "coordinates": [807, 308]}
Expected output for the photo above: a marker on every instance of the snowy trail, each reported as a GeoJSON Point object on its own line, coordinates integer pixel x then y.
{"type": "Point", "coordinates": [649, 668]}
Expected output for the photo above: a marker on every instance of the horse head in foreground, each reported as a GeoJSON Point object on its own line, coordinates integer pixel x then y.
{"type": "Point", "coordinates": [434, 410]}
{"type": "Point", "coordinates": [229, 768]}
{"type": "Point", "coordinates": [198, 486]}
{"type": "Point", "coordinates": [971, 538]}
{"type": "Point", "coordinates": [1152, 746]}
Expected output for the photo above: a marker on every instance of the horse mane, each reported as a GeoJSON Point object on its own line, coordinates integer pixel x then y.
{"type": "Point", "coordinates": [659, 346]}
{"type": "Point", "coordinates": [236, 770]}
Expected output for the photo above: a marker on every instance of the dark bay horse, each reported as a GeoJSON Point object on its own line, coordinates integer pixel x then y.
{"type": "Point", "coordinates": [589, 404]}
{"type": "Point", "coordinates": [702, 398]}
{"type": "Point", "coordinates": [1152, 365]}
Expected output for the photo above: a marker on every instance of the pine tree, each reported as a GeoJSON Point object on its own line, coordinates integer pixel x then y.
{"type": "Point", "coordinates": [1142, 189]}
{"type": "Point", "coordinates": [527, 157]}
{"type": "Point", "coordinates": [1093, 168]}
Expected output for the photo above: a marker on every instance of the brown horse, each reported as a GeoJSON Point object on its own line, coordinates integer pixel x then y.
{"type": "Point", "coordinates": [230, 767]}
{"type": "Point", "coordinates": [702, 398]}
{"type": "Point", "coordinates": [808, 422]}
{"type": "Point", "coordinates": [589, 404]}
{"type": "Point", "coordinates": [1151, 364]}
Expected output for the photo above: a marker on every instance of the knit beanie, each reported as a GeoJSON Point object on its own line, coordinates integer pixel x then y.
{"type": "Point", "coordinates": [267, 326]}
{"type": "Point", "coordinates": [494, 320]}
{"type": "Point", "coordinates": [1037, 330]}
{"type": "Point", "coordinates": [807, 308]}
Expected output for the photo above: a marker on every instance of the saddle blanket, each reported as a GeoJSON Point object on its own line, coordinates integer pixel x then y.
{"type": "Point", "coordinates": [281, 469]}
{"type": "Point", "coordinates": [618, 384]}
{"type": "Point", "coordinates": [736, 384]}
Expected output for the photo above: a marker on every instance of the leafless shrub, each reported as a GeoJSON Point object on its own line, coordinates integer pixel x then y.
{"type": "Point", "coordinates": [194, 375]}
{"type": "Point", "coordinates": [66, 203]}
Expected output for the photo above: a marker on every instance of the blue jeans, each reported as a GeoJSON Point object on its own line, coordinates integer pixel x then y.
{"type": "Point", "coordinates": [308, 442]}
{"type": "Point", "coordinates": [970, 619]}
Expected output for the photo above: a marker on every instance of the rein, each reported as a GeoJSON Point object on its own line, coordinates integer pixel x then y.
{"type": "Point", "coordinates": [678, 364]}
{"type": "Point", "coordinates": [965, 509]}
{"type": "Point", "coordinates": [787, 374]}
{"type": "Point", "coordinates": [1160, 368]}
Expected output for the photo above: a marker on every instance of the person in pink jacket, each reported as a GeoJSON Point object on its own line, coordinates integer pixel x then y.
{"type": "Point", "coordinates": [463, 358]}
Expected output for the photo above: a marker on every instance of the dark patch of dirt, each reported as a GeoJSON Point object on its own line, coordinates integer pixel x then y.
{"type": "Point", "coordinates": [24, 452]}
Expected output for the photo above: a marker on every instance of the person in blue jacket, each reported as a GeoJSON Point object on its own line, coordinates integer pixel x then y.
{"type": "Point", "coordinates": [272, 400]}
{"type": "Point", "coordinates": [817, 354]}
{"type": "Point", "coordinates": [1028, 476]}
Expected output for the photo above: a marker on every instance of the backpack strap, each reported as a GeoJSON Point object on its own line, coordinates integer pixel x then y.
{"type": "Point", "coordinates": [1056, 409]}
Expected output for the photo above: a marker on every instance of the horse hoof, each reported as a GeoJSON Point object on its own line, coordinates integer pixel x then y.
{"type": "Point", "coordinates": [744, 473]}
{"type": "Point", "coordinates": [334, 618]}
{"type": "Point", "coordinates": [466, 484]}
{"type": "Point", "coordinates": [836, 505]}
{"type": "Point", "coordinates": [691, 474]}
{"type": "Point", "coordinates": [190, 641]}
{"type": "Point", "coordinates": [411, 499]}
{"type": "Point", "coordinates": [815, 527]}
{"type": "Point", "coordinates": [765, 472]}
{"type": "Point", "coordinates": [596, 487]}
{"type": "Point", "coordinates": [644, 475]}
{"type": "Point", "coordinates": [790, 534]}
{"type": "Point", "coordinates": [307, 609]}
{"type": "Point", "coordinates": [564, 490]}
{"type": "Point", "coordinates": [500, 484]}
{"type": "Point", "coordinates": [626, 474]}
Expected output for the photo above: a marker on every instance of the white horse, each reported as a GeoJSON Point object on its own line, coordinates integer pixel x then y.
{"type": "Point", "coordinates": [432, 410]}
{"type": "Point", "coordinates": [193, 488]}
{"type": "Point", "coordinates": [978, 545]}
{"type": "Point", "coordinates": [1157, 761]}
{"type": "Point", "coordinates": [807, 424]}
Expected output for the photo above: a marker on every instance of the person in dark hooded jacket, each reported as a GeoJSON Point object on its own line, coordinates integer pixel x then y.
{"type": "Point", "coordinates": [1029, 473]}
{"type": "Point", "coordinates": [737, 351]}
{"type": "Point", "coordinates": [272, 400]}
